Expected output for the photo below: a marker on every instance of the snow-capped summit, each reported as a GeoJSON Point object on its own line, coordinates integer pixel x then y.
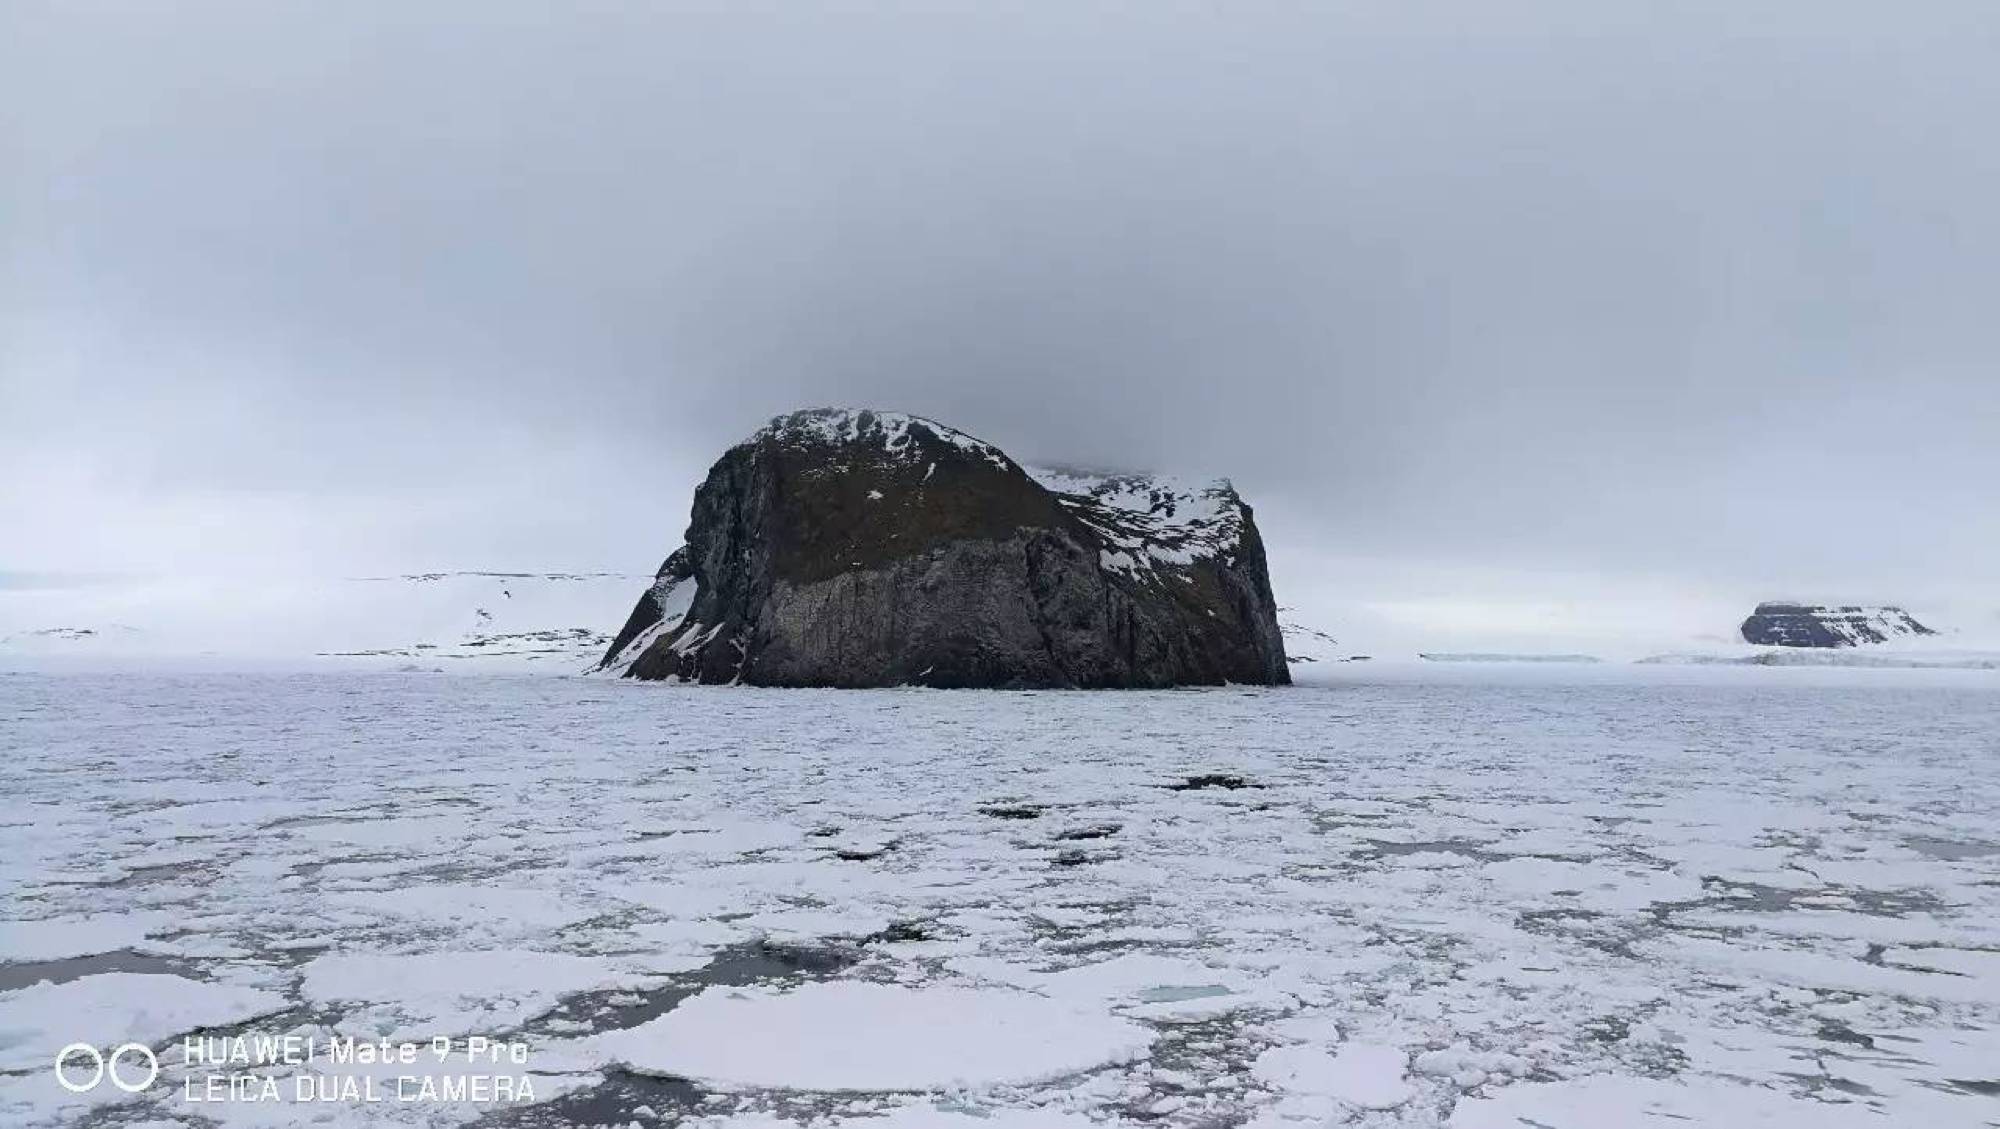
{"type": "Point", "coordinates": [895, 435]}
{"type": "Point", "coordinates": [1151, 519]}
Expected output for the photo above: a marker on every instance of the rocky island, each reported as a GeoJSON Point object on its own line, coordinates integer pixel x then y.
{"type": "Point", "coordinates": [1819, 625]}
{"type": "Point", "coordinates": [860, 548]}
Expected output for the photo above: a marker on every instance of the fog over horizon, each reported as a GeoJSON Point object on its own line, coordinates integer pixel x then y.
{"type": "Point", "coordinates": [1475, 304]}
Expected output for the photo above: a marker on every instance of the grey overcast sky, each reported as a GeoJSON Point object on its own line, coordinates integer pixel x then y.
{"type": "Point", "coordinates": [1707, 291]}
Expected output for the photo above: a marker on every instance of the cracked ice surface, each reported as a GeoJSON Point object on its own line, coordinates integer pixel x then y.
{"type": "Point", "coordinates": [1747, 901]}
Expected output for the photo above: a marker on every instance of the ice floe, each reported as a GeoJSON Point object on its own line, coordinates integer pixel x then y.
{"type": "Point", "coordinates": [873, 1037]}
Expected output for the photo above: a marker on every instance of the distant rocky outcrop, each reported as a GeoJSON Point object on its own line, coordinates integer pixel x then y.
{"type": "Point", "coordinates": [59, 638]}
{"type": "Point", "coordinates": [1818, 625]}
{"type": "Point", "coordinates": [489, 617]}
{"type": "Point", "coordinates": [1307, 645]}
{"type": "Point", "coordinates": [863, 548]}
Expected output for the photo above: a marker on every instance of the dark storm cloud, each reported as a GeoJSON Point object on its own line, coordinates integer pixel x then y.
{"type": "Point", "coordinates": [1673, 288]}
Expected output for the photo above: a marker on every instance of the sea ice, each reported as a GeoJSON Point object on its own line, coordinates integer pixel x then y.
{"type": "Point", "coordinates": [54, 938]}
{"type": "Point", "coordinates": [113, 1008]}
{"type": "Point", "coordinates": [1366, 1076]}
{"type": "Point", "coordinates": [853, 1036]}
{"type": "Point", "coordinates": [455, 993]}
{"type": "Point", "coordinates": [1610, 897]}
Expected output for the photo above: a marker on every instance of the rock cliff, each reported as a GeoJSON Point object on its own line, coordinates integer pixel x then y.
{"type": "Point", "coordinates": [863, 548]}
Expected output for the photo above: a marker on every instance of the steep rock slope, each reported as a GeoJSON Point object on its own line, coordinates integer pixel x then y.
{"type": "Point", "coordinates": [862, 548]}
{"type": "Point", "coordinates": [1815, 625]}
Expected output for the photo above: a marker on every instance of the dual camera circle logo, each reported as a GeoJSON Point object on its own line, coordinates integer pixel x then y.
{"type": "Point", "coordinates": [104, 1066]}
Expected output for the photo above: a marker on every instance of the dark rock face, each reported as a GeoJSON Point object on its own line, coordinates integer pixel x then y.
{"type": "Point", "coordinates": [859, 548]}
{"type": "Point", "coordinates": [1816, 625]}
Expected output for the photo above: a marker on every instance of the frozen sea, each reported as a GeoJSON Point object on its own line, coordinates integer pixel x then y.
{"type": "Point", "coordinates": [1480, 900]}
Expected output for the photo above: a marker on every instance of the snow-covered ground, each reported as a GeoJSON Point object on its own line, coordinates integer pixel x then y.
{"type": "Point", "coordinates": [1571, 898]}
{"type": "Point", "coordinates": [561, 622]}
{"type": "Point", "coordinates": [490, 619]}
